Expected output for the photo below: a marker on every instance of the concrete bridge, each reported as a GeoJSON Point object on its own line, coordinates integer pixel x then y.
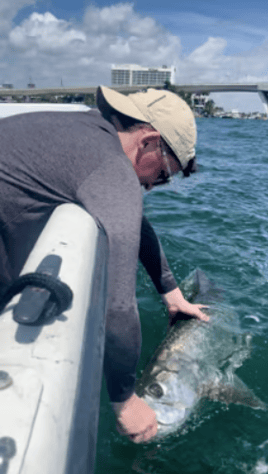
{"type": "Point", "coordinates": [260, 88]}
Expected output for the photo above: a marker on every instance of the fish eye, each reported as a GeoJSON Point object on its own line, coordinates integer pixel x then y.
{"type": "Point", "coordinates": [156, 390]}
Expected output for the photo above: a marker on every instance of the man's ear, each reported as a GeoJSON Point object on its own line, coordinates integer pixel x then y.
{"type": "Point", "coordinates": [148, 140]}
{"type": "Point", "coordinates": [150, 137]}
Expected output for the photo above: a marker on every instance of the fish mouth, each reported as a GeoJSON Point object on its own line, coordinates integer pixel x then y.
{"type": "Point", "coordinates": [173, 405]}
{"type": "Point", "coordinates": [169, 415]}
{"type": "Point", "coordinates": [164, 429]}
{"type": "Point", "coordinates": [162, 423]}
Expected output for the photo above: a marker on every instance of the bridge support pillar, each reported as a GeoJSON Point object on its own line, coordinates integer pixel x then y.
{"type": "Point", "coordinates": [264, 98]}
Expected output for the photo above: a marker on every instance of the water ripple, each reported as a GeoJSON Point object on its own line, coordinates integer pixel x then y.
{"type": "Point", "coordinates": [216, 220]}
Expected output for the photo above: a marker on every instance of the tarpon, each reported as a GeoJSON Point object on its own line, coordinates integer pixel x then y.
{"type": "Point", "coordinates": [197, 360]}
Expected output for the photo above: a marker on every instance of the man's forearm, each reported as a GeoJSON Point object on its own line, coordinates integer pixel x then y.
{"type": "Point", "coordinates": [153, 259]}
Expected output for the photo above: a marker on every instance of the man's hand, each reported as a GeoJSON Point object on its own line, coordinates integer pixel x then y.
{"type": "Point", "coordinates": [135, 419]}
{"type": "Point", "coordinates": [176, 303]}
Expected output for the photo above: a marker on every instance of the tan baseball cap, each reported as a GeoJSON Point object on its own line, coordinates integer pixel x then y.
{"type": "Point", "coordinates": [165, 111]}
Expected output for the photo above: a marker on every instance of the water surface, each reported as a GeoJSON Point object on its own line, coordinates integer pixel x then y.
{"type": "Point", "coordinates": [216, 220]}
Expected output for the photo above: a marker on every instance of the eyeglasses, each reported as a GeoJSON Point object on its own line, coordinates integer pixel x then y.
{"type": "Point", "coordinates": [165, 176]}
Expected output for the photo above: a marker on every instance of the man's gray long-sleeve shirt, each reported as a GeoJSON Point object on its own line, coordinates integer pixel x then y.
{"type": "Point", "coordinates": [50, 158]}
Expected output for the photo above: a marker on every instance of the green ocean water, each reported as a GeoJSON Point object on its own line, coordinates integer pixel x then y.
{"type": "Point", "coordinates": [215, 220]}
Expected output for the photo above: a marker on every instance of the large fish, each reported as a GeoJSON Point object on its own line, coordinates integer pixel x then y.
{"type": "Point", "coordinates": [197, 360]}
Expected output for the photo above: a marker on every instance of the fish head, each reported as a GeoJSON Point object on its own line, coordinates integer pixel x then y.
{"type": "Point", "coordinates": [171, 391]}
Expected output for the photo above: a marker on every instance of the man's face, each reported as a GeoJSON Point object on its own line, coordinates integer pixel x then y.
{"type": "Point", "coordinates": [150, 165]}
{"type": "Point", "coordinates": [157, 165]}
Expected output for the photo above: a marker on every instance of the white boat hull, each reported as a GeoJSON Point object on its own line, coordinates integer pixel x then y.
{"type": "Point", "coordinates": [42, 409]}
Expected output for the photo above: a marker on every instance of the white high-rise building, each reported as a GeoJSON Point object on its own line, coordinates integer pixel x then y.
{"type": "Point", "coordinates": [134, 75]}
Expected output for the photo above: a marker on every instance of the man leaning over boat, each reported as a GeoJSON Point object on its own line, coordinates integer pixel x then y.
{"type": "Point", "coordinates": [99, 160]}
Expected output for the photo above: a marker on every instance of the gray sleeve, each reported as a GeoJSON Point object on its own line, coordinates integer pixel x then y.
{"type": "Point", "coordinates": [154, 260]}
{"type": "Point", "coordinates": [112, 195]}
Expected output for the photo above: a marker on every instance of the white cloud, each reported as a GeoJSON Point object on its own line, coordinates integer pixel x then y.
{"type": "Point", "coordinates": [119, 19]}
{"type": "Point", "coordinates": [43, 43]}
{"type": "Point", "coordinates": [194, 28]}
{"type": "Point", "coordinates": [205, 64]}
{"type": "Point", "coordinates": [107, 20]}
{"type": "Point", "coordinates": [46, 33]}
{"type": "Point", "coordinates": [210, 64]}
{"type": "Point", "coordinates": [8, 10]}
{"type": "Point", "coordinates": [208, 52]}
{"type": "Point", "coordinates": [50, 49]}
{"type": "Point", "coordinates": [118, 33]}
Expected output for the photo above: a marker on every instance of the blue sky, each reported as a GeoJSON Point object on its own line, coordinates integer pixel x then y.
{"type": "Point", "coordinates": [75, 42]}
